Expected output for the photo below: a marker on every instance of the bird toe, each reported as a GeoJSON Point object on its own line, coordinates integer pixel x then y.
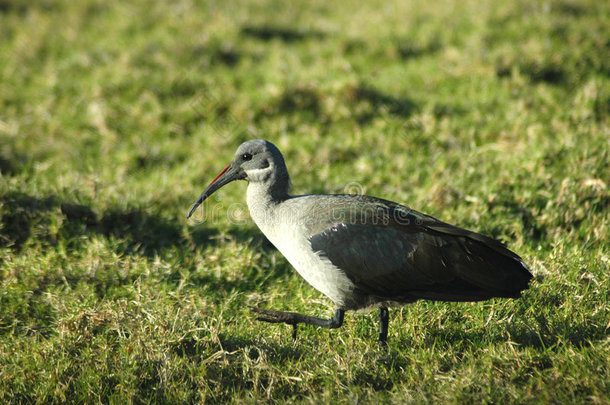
{"type": "Point", "coordinates": [273, 316]}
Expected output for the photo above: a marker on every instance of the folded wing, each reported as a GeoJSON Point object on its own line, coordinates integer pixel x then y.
{"type": "Point", "coordinates": [420, 258]}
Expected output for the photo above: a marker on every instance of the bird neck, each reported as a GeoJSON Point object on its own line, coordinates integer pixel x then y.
{"type": "Point", "coordinates": [273, 188]}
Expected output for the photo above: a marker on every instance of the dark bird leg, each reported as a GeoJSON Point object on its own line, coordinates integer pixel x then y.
{"type": "Point", "coordinates": [384, 320]}
{"type": "Point", "coordinates": [292, 318]}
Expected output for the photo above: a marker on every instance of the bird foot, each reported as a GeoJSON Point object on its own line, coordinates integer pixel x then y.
{"type": "Point", "coordinates": [293, 318]}
{"type": "Point", "coordinates": [290, 318]}
{"type": "Point", "coordinates": [271, 316]}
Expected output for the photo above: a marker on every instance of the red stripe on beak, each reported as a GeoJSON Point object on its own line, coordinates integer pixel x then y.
{"type": "Point", "coordinates": [220, 174]}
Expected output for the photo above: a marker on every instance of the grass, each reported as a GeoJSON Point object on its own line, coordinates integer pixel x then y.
{"type": "Point", "coordinates": [115, 115]}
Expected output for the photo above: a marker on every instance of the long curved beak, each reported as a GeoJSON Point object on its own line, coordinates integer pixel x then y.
{"type": "Point", "coordinates": [227, 175]}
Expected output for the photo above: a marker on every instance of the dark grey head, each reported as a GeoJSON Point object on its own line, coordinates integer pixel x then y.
{"type": "Point", "coordinates": [255, 161]}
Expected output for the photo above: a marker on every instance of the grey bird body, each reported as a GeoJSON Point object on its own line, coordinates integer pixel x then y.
{"type": "Point", "coordinates": [364, 251]}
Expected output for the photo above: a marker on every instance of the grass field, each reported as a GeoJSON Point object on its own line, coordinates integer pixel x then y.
{"type": "Point", "coordinates": [115, 115]}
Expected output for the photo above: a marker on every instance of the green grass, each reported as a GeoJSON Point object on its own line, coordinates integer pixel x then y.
{"type": "Point", "coordinates": [115, 115]}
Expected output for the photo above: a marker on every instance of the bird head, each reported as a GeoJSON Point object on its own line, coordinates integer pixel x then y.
{"type": "Point", "coordinates": [257, 160]}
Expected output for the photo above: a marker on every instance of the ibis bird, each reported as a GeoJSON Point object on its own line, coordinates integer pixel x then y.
{"type": "Point", "coordinates": [365, 252]}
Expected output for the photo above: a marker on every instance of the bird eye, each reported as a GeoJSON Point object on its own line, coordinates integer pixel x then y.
{"type": "Point", "coordinates": [246, 156]}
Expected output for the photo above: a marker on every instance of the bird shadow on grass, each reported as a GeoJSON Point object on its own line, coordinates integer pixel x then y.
{"type": "Point", "coordinates": [49, 220]}
{"type": "Point", "coordinates": [45, 223]}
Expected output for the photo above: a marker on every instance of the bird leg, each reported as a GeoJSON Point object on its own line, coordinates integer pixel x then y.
{"type": "Point", "coordinates": [293, 318]}
{"type": "Point", "coordinates": [384, 320]}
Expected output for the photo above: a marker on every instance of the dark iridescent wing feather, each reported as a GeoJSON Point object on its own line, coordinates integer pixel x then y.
{"type": "Point", "coordinates": [391, 252]}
